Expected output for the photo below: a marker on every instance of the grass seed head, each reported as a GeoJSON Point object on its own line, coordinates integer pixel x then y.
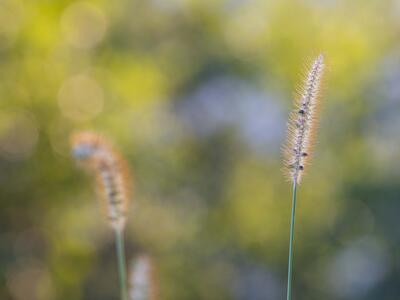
{"type": "Point", "coordinates": [303, 122]}
{"type": "Point", "coordinates": [112, 176]}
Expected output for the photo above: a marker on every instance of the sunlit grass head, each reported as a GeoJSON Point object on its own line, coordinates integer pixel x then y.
{"type": "Point", "coordinates": [303, 122]}
{"type": "Point", "coordinates": [301, 133]}
{"type": "Point", "coordinates": [112, 176]}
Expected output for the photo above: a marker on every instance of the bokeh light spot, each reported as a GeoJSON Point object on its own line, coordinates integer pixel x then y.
{"type": "Point", "coordinates": [80, 98]}
{"type": "Point", "coordinates": [10, 22]}
{"type": "Point", "coordinates": [84, 25]}
{"type": "Point", "coordinates": [18, 135]}
{"type": "Point", "coordinates": [32, 282]}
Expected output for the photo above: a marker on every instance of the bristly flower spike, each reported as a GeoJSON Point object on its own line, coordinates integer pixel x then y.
{"type": "Point", "coordinates": [303, 122]}
{"type": "Point", "coordinates": [113, 182]}
{"type": "Point", "coordinates": [301, 129]}
{"type": "Point", "coordinates": [111, 172]}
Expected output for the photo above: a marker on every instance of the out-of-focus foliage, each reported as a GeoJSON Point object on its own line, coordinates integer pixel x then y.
{"type": "Point", "coordinates": [196, 95]}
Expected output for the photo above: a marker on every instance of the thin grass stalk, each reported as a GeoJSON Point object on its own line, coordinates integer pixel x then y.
{"type": "Point", "coordinates": [291, 241]}
{"type": "Point", "coordinates": [120, 249]}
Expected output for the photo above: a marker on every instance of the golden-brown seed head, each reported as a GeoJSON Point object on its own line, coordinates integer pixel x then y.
{"type": "Point", "coordinates": [112, 176]}
{"type": "Point", "coordinates": [303, 122]}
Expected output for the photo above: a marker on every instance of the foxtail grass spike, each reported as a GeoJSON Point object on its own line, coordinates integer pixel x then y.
{"type": "Point", "coordinates": [110, 169]}
{"type": "Point", "coordinates": [113, 182]}
{"type": "Point", "coordinates": [298, 149]}
{"type": "Point", "coordinates": [303, 122]}
{"type": "Point", "coordinates": [142, 279]}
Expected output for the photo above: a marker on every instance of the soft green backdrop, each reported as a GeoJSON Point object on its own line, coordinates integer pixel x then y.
{"type": "Point", "coordinates": [195, 94]}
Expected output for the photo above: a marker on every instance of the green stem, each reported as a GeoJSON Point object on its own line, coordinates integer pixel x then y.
{"type": "Point", "coordinates": [119, 243]}
{"type": "Point", "coordinates": [290, 260]}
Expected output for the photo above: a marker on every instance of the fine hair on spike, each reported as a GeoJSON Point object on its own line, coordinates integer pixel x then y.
{"type": "Point", "coordinates": [113, 180]}
{"type": "Point", "coordinates": [303, 122]}
{"type": "Point", "coordinates": [142, 279]}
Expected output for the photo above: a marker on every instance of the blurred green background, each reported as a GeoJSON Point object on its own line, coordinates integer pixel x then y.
{"type": "Point", "coordinates": [196, 93]}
